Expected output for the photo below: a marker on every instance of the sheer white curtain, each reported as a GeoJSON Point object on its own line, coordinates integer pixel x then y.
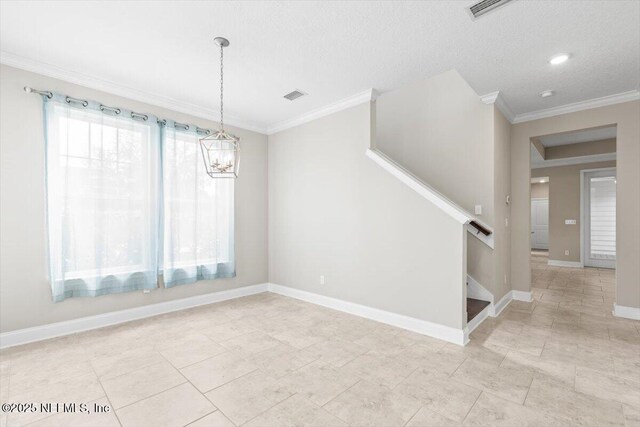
{"type": "Point", "coordinates": [102, 199]}
{"type": "Point", "coordinates": [198, 232]}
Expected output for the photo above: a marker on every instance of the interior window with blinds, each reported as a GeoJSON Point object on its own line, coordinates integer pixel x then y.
{"type": "Point", "coordinates": [102, 201]}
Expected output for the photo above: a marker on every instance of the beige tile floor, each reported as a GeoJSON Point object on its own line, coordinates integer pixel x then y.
{"type": "Point", "coordinates": [268, 360]}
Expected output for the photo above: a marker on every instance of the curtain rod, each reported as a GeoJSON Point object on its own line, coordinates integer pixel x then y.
{"type": "Point", "coordinates": [116, 110]}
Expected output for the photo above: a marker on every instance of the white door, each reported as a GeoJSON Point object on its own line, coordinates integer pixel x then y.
{"type": "Point", "coordinates": [599, 218]}
{"type": "Point", "coordinates": [540, 223]}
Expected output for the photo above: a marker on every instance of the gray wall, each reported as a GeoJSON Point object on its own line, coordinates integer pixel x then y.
{"type": "Point", "coordinates": [25, 295]}
{"type": "Point", "coordinates": [627, 118]}
{"type": "Point", "coordinates": [564, 203]}
{"type": "Point", "coordinates": [539, 190]}
{"type": "Point", "coordinates": [439, 130]}
{"type": "Point", "coordinates": [502, 188]}
{"type": "Point", "coordinates": [334, 212]}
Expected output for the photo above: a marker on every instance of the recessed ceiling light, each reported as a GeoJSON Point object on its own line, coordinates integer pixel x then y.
{"type": "Point", "coordinates": [546, 93]}
{"type": "Point", "coordinates": [559, 59]}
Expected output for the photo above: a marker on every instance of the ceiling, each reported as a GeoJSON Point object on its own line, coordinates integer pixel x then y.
{"type": "Point", "coordinates": [331, 50]}
{"type": "Point", "coordinates": [568, 138]}
{"type": "Point", "coordinates": [587, 135]}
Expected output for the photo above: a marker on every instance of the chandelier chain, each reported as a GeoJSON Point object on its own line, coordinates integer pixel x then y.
{"type": "Point", "coordinates": [221, 87]}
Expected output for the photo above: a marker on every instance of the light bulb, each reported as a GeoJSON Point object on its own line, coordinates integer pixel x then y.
{"type": "Point", "coordinates": [559, 59]}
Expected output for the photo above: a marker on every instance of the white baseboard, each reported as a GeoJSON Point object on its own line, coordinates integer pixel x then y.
{"type": "Point", "coordinates": [626, 312]}
{"type": "Point", "coordinates": [521, 296]}
{"type": "Point", "coordinates": [52, 330]}
{"type": "Point", "coordinates": [559, 263]}
{"type": "Point", "coordinates": [496, 308]}
{"type": "Point", "coordinates": [446, 333]}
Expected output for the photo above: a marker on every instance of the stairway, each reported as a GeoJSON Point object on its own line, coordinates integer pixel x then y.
{"type": "Point", "coordinates": [474, 307]}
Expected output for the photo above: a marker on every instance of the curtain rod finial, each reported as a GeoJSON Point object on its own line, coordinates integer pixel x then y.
{"type": "Point", "coordinates": [28, 89]}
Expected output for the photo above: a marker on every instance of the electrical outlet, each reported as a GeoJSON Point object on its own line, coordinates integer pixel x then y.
{"type": "Point", "coordinates": [322, 280]}
{"type": "Point", "coordinates": [506, 222]}
{"type": "Point", "coordinates": [566, 252]}
{"type": "Point", "coordinates": [146, 291]}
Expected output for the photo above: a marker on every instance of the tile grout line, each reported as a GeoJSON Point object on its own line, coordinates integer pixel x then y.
{"type": "Point", "coordinates": [204, 416]}
{"type": "Point", "coordinates": [154, 394]}
{"type": "Point", "coordinates": [341, 393]}
{"type": "Point", "coordinates": [150, 396]}
{"type": "Point", "coordinates": [414, 415]}
{"type": "Point", "coordinates": [533, 377]}
{"type": "Point", "coordinates": [198, 390]}
{"type": "Point", "coordinates": [471, 408]}
{"type": "Point", "coordinates": [106, 395]}
{"type": "Point", "coordinates": [270, 408]}
{"type": "Point", "coordinates": [177, 385]}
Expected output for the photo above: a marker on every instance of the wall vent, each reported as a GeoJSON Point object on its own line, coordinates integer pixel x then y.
{"type": "Point", "coordinates": [291, 96]}
{"type": "Point", "coordinates": [485, 6]}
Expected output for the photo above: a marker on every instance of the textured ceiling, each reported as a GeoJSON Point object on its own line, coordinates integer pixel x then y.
{"type": "Point", "coordinates": [332, 50]}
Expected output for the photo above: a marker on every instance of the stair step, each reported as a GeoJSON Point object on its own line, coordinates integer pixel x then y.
{"type": "Point", "coordinates": [474, 307]}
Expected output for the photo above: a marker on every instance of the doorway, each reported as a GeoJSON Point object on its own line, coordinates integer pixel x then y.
{"type": "Point", "coordinates": [540, 215]}
{"type": "Point", "coordinates": [540, 224]}
{"type": "Point", "coordinates": [599, 218]}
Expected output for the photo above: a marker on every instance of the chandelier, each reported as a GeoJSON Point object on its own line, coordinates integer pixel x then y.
{"type": "Point", "coordinates": [220, 149]}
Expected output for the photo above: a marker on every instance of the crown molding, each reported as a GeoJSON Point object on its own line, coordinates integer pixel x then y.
{"type": "Point", "coordinates": [357, 99]}
{"type": "Point", "coordinates": [368, 95]}
{"type": "Point", "coordinates": [490, 98]}
{"type": "Point", "coordinates": [495, 98]}
{"type": "Point", "coordinates": [92, 82]}
{"type": "Point", "coordinates": [573, 160]}
{"type": "Point", "coordinates": [632, 95]}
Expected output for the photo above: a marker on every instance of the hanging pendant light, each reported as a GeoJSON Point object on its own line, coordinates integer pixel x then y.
{"type": "Point", "coordinates": [221, 150]}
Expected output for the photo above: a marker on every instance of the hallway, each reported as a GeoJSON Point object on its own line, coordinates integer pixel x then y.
{"type": "Point", "coordinates": [585, 290]}
{"type": "Point", "coordinates": [586, 363]}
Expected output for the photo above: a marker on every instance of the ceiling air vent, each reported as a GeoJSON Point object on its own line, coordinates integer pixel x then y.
{"type": "Point", "coordinates": [292, 96]}
{"type": "Point", "coordinates": [485, 6]}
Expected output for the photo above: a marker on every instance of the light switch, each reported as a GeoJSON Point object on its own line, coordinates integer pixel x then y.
{"type": "Point", "coordinates": [478, 209]}
{"type": "Point", "coordinates": [570, 222]}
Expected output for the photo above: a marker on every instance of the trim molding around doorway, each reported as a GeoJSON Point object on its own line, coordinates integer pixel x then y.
{"type": "Point", "coordinates": [582, 173]}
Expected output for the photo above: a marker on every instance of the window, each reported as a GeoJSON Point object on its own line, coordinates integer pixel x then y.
{"type": "Point", "coordinates": [127, 200]}
{"type": "Point", "coordinates": [198, 214]}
